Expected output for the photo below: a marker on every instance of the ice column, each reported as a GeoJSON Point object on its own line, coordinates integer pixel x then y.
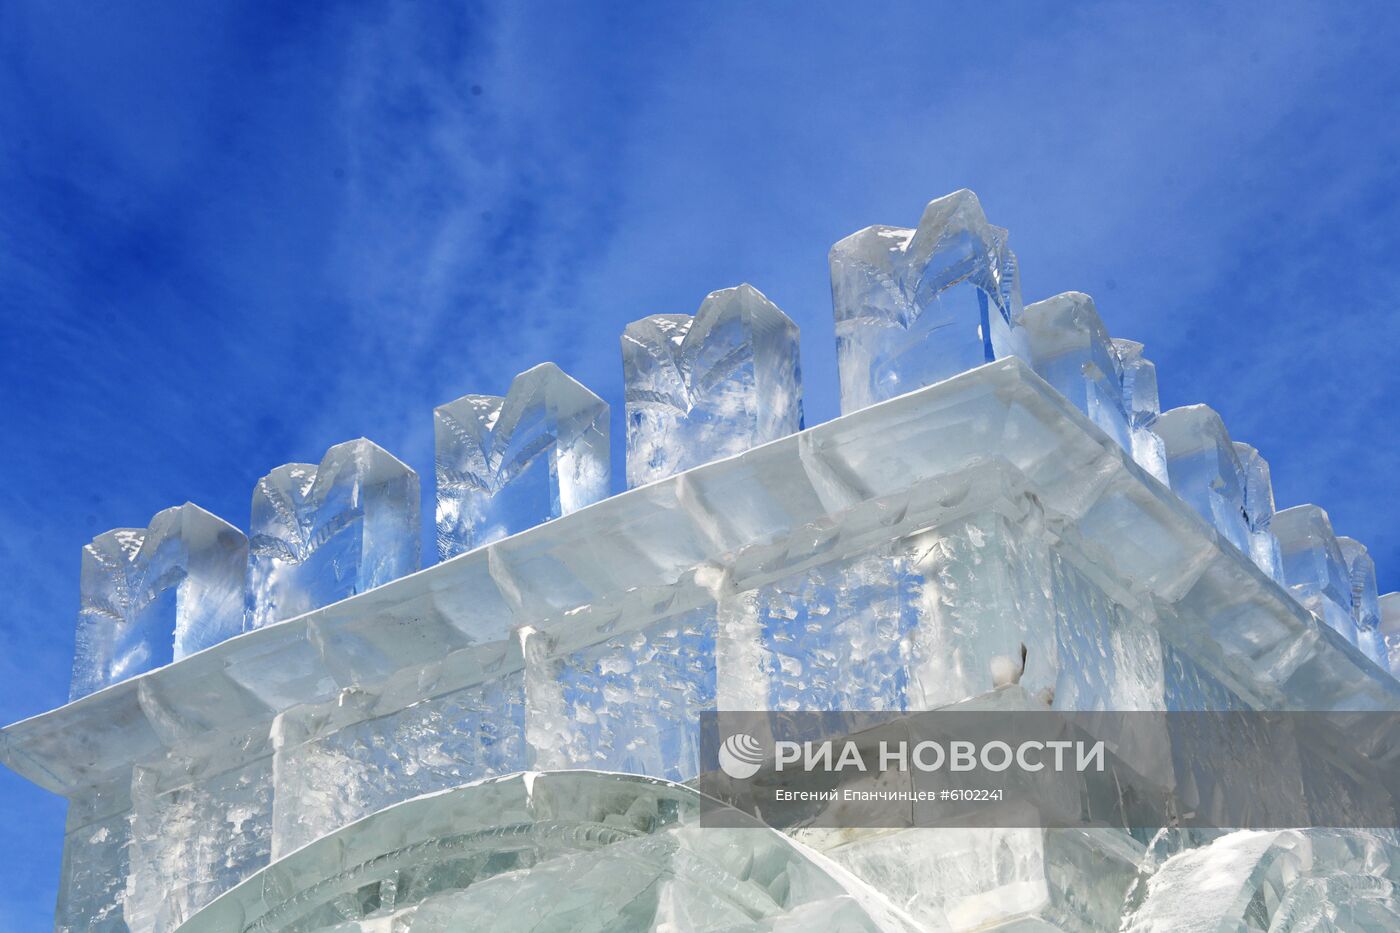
{"type": "Point", "coordinates": [1140, 399]}
{"type": "Point", "coordinates": [1365, 603]}
{"type": "Point", "coordinates": [1072, 351]}
{"type": "Point", "coordinates": [507, 464]}
{"type": "Point", "coordinates": [322, 533]}
{"type": "Point", "coordinates": [1204, 469]}
{"type": "Point", "coordinates": [1390, 629]}
{"type": "Point", "coordinates": [1259, 511]}
{"type": "Point", "coordinates": [710, 386]}
{"type": "Point", "coordinates": [916, 306]}
{"type": "Point", "coordinates": [1313, 566]}
{"type": "Point", "coordinates": [153, 595]}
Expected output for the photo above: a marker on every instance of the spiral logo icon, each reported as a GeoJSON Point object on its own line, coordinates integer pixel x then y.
{"type": "Point", "coordinates": [740, 756]}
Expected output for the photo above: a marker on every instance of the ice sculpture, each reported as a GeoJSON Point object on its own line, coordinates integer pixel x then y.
{"type": "Point", "coordinates": [1071, 349]}
{"type": "Point", "coordinates": [1205, 470]}
{"type": "Point", "coordinates": [1314, 567]}
{"type": "Point", "coordinates": [916, 306]}
{"type": "Point", "coordinates": [156, 594]}
{"type": "Point", "coordinates": [1365, 603]}
{"type": "Point", "coordinates": [1143, 406]}
{"type": "Point", "coordinates": [1259, 511]}
{"type": "Point", "coordinates": [710, 386]}
{"type": "Point", "coordinates": [322, 533]}
{"type": "Point", "coordinates": [362, 766]}
{"type": "Point", "coordinates": [507, 464]}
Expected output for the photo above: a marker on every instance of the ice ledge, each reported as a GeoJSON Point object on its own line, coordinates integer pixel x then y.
{"type": "Point", "coordinates": [884, 471]}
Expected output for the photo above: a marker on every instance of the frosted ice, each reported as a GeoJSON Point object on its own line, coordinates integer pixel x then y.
{"type": "Point", "coordinates": [507, 464]}
{"type": "Point", "coordinates": [322, 533]}
{"type": "Point", "coordinates": [713, 385]}
{"type": "Point", "coordinates": [1314, 567]}
{"type": "Point", "coordinates": [1259, 511]}
{"type": "Point", "coordinates": [1072, 351]}
{"type": "Point", "coordinates": [1141, 401]}
{"type": "Point", "coordinates": [1365, 602]}
{"type": "Point", "coordinates": [913, 307]}
{"type": "Point", "coordinates": [156, 594]}
{"type": "Point", "coordinates": [1205, 470]}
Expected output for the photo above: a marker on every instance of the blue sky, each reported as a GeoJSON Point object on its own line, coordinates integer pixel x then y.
{"type": "Point", "coordinates": [233, 234]}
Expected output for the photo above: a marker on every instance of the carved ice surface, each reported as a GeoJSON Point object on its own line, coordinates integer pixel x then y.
{"type": "Point", "coordinates": [552, 852]}
{"type": "Point", "coordinates": [1314, 567]}
{"type": "Point", "coordinates": [1389, 605]}
{"type": "Point", "coordinates": [1205, 470]}
{"type": "Point", "coordinates": [1072, 351]}
{"type": "Point", "coordinates": [913, 307]}
{"type": "Point", "coordinates": [1365, 603]}
{"type": "Point", "coordinates": [710, 386]}
{"type": "Point", "coordinates": [322, 533]}
{"type": "Point", "coordinates": [1259, 512]}
{"type": "Point", "coordinates": [156, 594]}
{"type": "Point", "coordinates": [1307, 881]}
{"type": "Point", "coordinates": [507, 464]}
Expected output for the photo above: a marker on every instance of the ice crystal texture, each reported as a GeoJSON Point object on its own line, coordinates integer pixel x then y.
{"type": "Point", "coordinates": [156, 594]}
{"type": "Point", "coordinates": [322, 533]}
{"type": "Point", "coordinates": [1205, 469]}
{"type": "Point", "coordinates": [1259, 511]}
{"type": "Point", "coordinates": [1314, 567]}
{"type": "Point", "coordinates": [916, 306]}
{"type": "Point", "coordinates": [1143, 406]}
{"type": "Point", "coordinates": [1071, 349]}
{"type": "Point", "coordinates": [507, 464]}
{"type": "Point", "coordinates": [710, 386]}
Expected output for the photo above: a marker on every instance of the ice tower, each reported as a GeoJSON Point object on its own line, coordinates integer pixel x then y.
{"type": "Point", "coordinates": [509, 740]}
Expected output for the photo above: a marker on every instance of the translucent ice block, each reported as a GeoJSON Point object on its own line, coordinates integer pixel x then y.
{"type": "Point", "coordinates": [156, 594]}
{"type": "Point", "coordinates": [322, 533]}
{"type": "Point", "coordinates": [1071, 349]}
{"type": "Point", "coordinates": [1314, 568]}
{"type": "Point", "coordinates": [1390, 629]}
{"type": "Point", "coordinates": [1204, 469]}
{"type": "Point", "coordinates": [710, 386]}
{"type": "Point", "coordinates": [194, 838]}
{"type": "Point", "coordinates": [1365, 603]}
{"type": "Point", "coordinates": [1259, 511]}
{"type": "Point", "coordinates": [507, 464]}
{"type": "Point", "coordinates": [1140, 399]}
{"type": "Point", "coordinates": [916, 306]}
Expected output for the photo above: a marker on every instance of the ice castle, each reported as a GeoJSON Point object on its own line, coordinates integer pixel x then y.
{"type": "Point", "coordinates": [297, 729]}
